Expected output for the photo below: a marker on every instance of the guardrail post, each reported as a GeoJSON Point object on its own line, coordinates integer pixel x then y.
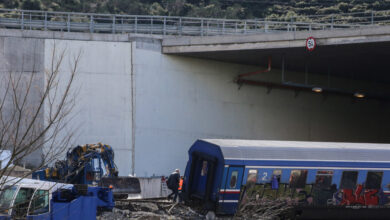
{"type": "Point", "coordinates": [245, 27]}
{"type": "Point", "coordinates": [122, 25]}
{"type": "Point", "coordinates": [235, 27]}
{"type": "Point", "coordinates": [256, 25]}
{"type": "Point", "coordinates": [151, 25]}
{"type": "Point", "coordinates": [22, 22]}
{"type": "Point", "coordinates": [165, 26]}
{"type": "Point", "coordinates": [91, 24]}
{"type": "Point", "coordinates": [207, 28]}
{"type": "Point", "coordinates": [113, 24]}
{"type": "Point", "coordinates": [180, 27]}
{"type": "Point", "coordinates": [68, 23]}
{"type": "Point", "coordinates": [201, 27]}
{"type": "Point", "coordinates": [372, 17]}
{"type": "Point", "coordinates": [136, 24]}
{"type": "Point", "coordinates": [30, 21]}
{"type": "Point", "coordinates": [331, 26]}
{"type": "Point", "coordinates": [45, 22]}
{"type": "Point", "coordinates": [223, 27]}
{"type": "Point", "coordinates": [265, 26]}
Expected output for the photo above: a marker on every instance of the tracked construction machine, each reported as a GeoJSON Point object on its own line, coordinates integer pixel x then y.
{"type": "Point", "coordinates": [91, 164]}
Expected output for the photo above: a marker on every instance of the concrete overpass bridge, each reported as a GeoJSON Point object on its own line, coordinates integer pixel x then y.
{"type": "Point", "coordinates": [150, 86]}
{"type": "Point", "coordinates": [358, 54]}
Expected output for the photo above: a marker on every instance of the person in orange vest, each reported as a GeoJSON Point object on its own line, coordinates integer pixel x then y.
{"type": "Point", "coordinates": [181, 184]}
{"type": "Point", "coordinates": [181, 188]}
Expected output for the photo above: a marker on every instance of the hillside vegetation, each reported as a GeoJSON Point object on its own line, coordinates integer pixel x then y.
{"type": "Point", "coordinates": [240, 9]}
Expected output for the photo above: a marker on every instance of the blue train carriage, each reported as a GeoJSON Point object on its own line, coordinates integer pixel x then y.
{"type": "Point", "coordinates": [311, 175]}
{"type": "Point", "coordinates": [44, 200]}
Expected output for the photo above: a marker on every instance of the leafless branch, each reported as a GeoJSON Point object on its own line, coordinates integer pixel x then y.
{"type": "Point", "coordinates": [35, 109]}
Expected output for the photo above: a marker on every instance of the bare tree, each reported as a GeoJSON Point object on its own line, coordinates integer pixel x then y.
{"type": "Point", "coordinates": [35, 109]}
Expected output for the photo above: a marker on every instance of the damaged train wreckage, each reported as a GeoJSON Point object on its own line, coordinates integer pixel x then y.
{"type": "Point", "coordinates": [246, 178]}
{"type": "Point", "coordinates": [315, 179]}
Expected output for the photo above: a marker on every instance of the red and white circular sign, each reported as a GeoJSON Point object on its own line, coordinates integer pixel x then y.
{"type": "Point", "coordinates": [310, 43]}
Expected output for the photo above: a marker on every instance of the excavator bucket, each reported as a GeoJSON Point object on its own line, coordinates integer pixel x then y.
{"type": "Point", "coordinates": [122, 185]}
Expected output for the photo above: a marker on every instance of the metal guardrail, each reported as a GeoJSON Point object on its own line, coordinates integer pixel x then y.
{"type": "Point", "coordinates": [182, 26]}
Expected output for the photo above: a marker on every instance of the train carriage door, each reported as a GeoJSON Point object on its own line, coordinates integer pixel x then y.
{"type": "Point", "coordinates": [201, 177]}
{"type": "Point", "coordinates": [231, 191]}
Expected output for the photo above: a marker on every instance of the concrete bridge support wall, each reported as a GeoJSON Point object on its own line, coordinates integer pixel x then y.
{"type": "Point", "coordinates": [181, 99]}
{"type": "Point", "coordinates": [177, 100]}
{"type": "Point", "coordinates": [102, 90]}
{"type": "Point", "coordinates": [20, 57]}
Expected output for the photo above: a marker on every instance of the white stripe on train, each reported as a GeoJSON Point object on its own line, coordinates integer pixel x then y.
{"type": "Point", "coordinates": [229, 190]}
{"type": "Point", "coordinates": [307, 160]}
{"type": "Point", "coordinates": [321, 168]}
{"type": "Point", "coordinates": [222, 201]}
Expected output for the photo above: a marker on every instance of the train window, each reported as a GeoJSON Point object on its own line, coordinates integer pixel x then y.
{"type": "Point", "coordinates": [203, 172]}
{"type": "Point", "coordinates": [277, 174]}
{"type": "Point", "coordinates": [275, 180]}
{"type": "Point", "coordinates": [324, 178]}
{"type": "Point", "coordinates": [374, 180]}
{"type": "Point", "coordinates": [6, 197]}
{"type": "Point", "coordinates": [40, 202]}
{"type": "Point", "coordinates": [298, 178]}
{"type": "Point", "coordinates": [252, 176]}
{"type": "Point", "coordinates": [22, 202]}
{"type": "Point", "coordinates": [233, 180]}
{"type": "Point", "coordinates": [348, 180]}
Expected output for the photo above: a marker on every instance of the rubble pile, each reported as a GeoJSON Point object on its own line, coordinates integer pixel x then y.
{"type": "Point", "coordinates": [264, 209]}
{"type": "Point", "coordinates": [149, 210]}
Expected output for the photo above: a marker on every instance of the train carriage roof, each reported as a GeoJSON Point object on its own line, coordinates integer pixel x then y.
{"type": "Point", "coordinates": [299, 150]}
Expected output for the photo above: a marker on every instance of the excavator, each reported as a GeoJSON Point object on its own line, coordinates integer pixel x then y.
{"type": "Point", "coordinates": [91, 164]}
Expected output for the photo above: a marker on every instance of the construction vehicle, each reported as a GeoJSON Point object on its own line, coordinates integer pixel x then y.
{"type": "Point", "coordinates": [36, 199]}
{"type": "Point", "coordinates": [90, 164]}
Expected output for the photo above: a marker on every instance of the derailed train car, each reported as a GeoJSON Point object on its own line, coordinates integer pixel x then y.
{"type": "Point", "coordinates": [337, 178]}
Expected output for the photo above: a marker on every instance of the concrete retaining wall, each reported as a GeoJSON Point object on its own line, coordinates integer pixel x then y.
{"type": "Point", "coordinates": [102, 111]}
{"type": "Point", "coordinates": [178, 100]}
{"type": "Point", "coordinates": [21, 57]}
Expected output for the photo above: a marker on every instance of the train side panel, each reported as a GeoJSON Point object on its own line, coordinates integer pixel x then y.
{"type": "Point", "coordinates": [321, 187]}
{"type": "Point", "coordinates": [229, 192]}
{"type": "Point", "coordinates": [305, 174]}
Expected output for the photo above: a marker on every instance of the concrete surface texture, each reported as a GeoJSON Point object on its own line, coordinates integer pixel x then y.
{"type": "Point", "coordinates": [102, 111]}
{"type": "Point", "coordinates": [177, 100]}
{"type": "Point", "coordinates": [274, 41]}
{"type": "Point", "coordinates": [180, 99]}
{"type": "Point", "coordinates": [151, 187]}
{"type": "Point", "coordinates": [21, 57]}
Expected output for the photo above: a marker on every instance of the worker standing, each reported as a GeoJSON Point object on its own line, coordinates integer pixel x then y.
{"type": "Point", "coordinates": [173, 184]}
